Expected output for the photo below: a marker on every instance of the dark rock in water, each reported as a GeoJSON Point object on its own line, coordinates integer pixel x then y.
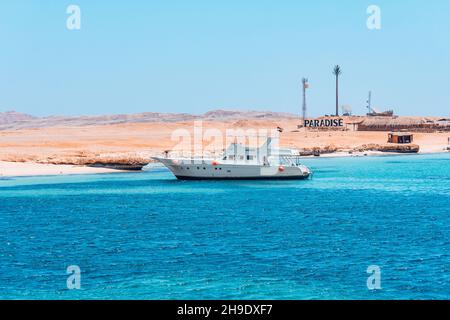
{"type": "Point", "coordinates": [400, 148]}
{"type": "Point", "coordinates": [118, 166]}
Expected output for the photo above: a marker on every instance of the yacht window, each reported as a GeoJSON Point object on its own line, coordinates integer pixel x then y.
{"type": "Point", "coordinates": [249, 157]}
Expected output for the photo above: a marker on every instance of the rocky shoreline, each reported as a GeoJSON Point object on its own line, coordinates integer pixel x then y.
{"type": "Point", "coordinates": [136, 161]}
{"type": "Point", "coordinates": [119, 161]}
{"type": "Point", "coordinates": [390, 148]}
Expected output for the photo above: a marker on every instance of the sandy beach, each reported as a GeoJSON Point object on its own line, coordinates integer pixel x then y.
{"type": "Point", "coordinates": [21, 169]}
{"type": "Point", "coordinates": [67, 150]}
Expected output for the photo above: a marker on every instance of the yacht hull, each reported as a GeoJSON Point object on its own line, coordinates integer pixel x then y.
{"type": "Point", "coordinates": [243, 178]}
{"type": "Point", "coordinates": [191, 170]}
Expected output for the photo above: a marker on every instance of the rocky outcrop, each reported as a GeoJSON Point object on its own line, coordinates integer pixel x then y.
{"type": "Point", "coordinates": [394, 148]}
{"type": "Point", "coordinates": [390, 147]}
{"type": "Point", "coordinates": [316, 151]}
{"type": "Point", "coordinates": [119, 161]}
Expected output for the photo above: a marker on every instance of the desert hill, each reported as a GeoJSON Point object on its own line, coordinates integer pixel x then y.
{"type": "Point", "coordinates": [13, 120]}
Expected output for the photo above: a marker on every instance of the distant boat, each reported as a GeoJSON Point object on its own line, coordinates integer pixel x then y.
{"type": "Point", "coordinates": [374, 112]}
{"type": "Point", "coordinates": [389, 113]}
{"type": "Point", "coordinates": [239, 162]}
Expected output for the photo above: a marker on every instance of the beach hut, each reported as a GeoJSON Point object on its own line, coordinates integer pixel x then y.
{"type": "Point", "coordinates": [352, 125]}
{"type": "Point", "coordinates": [400, 137]}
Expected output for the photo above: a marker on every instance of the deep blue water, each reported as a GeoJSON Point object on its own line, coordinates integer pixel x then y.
{"type": "Point", "coordinates": [147, 235]}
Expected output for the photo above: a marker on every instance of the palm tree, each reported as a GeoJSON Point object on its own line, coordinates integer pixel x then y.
{"type": "Point", "coordinates": [337, 72]}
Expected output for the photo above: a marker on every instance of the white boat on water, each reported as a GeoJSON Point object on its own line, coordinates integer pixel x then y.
{"type": "Point", "coordinates": [239, 162]}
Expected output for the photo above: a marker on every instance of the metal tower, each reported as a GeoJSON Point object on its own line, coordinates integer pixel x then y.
{"type": "Point", "coordinates": [305, 86]}
{"type": "Point", "coordinates": [369, 102]}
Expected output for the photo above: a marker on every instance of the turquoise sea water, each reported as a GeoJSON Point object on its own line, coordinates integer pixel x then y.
{"type": "Point", "coordinates": [147, 235]}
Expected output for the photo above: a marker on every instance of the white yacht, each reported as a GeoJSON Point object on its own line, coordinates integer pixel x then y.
{"type": "Point", "coordinates": [239, 162]}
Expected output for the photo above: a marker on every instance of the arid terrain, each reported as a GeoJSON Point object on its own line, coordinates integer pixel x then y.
{"type": "Point", "coordinates": [131, 140]}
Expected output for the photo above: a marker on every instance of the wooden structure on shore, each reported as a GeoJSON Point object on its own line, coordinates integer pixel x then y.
{"type": "Point", "coordinates": [400, 137]}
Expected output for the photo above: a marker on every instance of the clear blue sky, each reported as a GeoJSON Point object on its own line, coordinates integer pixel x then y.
{"type": "Point", "coordinates": [194, 56]}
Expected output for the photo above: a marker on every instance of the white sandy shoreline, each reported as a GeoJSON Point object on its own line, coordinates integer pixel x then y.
{"type": "Point", "coordinates": [21, 169]}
